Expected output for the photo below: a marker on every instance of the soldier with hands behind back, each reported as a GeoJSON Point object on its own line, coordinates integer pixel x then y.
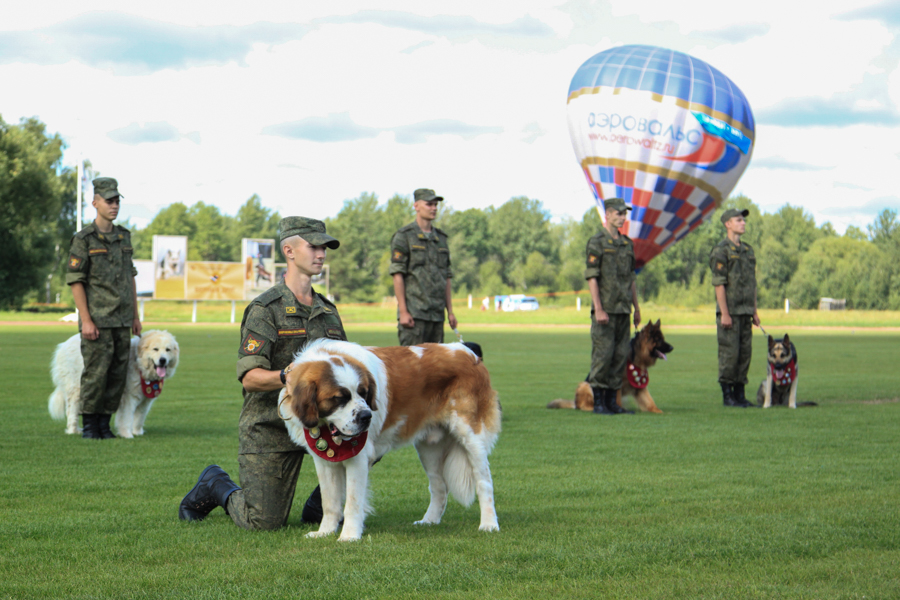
{"type": "Point", "coordinates": [101, 274]}
{"type": "Point", "coordinates": [610, 275]}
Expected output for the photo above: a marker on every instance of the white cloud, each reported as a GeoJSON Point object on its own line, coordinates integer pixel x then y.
{"type": "Point", "coordinates": [467, 98]}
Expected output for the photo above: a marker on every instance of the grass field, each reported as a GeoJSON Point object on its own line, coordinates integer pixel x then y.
{"type": "Point", "coordinates": [700, 502]}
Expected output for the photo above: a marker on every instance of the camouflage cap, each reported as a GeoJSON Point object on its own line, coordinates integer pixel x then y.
{"type": "Point", "coordinates": [107, 187]}
{"type": "Point", "coordinates": [615, 204]}
{"type": "Point", "coordinates": [426, 195]}
{"type": "Point", "coordinates": [311, 230]}
{"type": "Point", "coordinates": [734, 212]}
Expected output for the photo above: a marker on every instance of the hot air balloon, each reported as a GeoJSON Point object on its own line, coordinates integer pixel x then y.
{"type": "Point", "coordinates": [663, 130]}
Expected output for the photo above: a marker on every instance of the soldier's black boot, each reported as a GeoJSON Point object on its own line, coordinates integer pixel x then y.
{"type": "Point", "coordinates": [103, 427]}
{"type": "Point", "coordinates": [739, 396]}
{"type": "Point", "coordinates": [212, 490]}
{"type": "Point", "coordinates": [612, 406]}
{"type": "Point", "coordinates": [90, 428]}
{"type": "Point", "coordinates": [728, 395]}
{"type": "Point", "coordinates": [600, 402]}
{"type": "Point", "coordinates": [312, 510]}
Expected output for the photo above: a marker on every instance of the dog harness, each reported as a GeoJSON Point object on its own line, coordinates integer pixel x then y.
{"type": "Point", "coordinates": [788, 375]}
{"type": "Point", "coordinates": [334, 448]}
{"type": "Point", "coordinates": [151, 389]}
{"type": "Point", "coordinates": [637, 378]}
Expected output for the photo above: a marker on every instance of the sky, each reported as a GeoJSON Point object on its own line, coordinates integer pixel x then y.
{"type": "Point", "coordinates": [309, 104]}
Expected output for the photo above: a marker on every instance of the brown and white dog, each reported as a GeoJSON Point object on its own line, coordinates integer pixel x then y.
{"type": "Point", "coordinates": [349, 406]}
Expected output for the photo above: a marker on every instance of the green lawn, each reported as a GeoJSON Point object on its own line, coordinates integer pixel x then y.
{"type": "Point", "coordinates": [700, 502]}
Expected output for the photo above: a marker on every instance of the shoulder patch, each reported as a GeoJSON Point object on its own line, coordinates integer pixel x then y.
{"type": "Point", "coordinates": [397, 256]}
{"type": "Point", "coordinates": [592, 259]}
{"type": "Point", "coordinates": [251, 345]}
{"type": "Point", "coordinates": [74, 262]}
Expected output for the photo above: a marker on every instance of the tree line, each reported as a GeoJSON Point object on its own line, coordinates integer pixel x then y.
{"type": "Point", "coordinates": [511, 248]}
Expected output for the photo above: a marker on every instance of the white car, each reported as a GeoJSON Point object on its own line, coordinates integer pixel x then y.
{"type": "Point", "coordinates": [519, 302]}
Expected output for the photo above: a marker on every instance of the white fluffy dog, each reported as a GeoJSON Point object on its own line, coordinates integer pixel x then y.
{"type": "Point", "coordinates": [153, 359]}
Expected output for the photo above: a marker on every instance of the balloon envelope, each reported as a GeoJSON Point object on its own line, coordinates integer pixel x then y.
{"type": "Point", "coordinates": [662, 130]}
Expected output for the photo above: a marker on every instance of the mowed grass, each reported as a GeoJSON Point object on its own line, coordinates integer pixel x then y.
{"type": "Point", "coordinates": [700, 502]}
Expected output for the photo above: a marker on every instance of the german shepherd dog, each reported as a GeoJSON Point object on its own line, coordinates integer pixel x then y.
{"type": "Point", "coordinates": [782, 376]}
{"type": "Point", "coordinates": [647, 346]}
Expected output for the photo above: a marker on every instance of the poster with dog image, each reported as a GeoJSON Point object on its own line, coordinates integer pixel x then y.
{"type": "Point", "coordinates": [169, 256]}
{"type": "Point", "coordinates": [258, 258]}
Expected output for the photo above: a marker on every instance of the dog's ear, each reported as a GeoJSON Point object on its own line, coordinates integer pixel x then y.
{"type": "Point", "coordinates": [658, 323]}
{"type": "Point", "coordinates": [371, 391]}
{"type": "Point", "coordinates": [303, 399]}
{"type": "Point", "coordinates": [787, 341]}
{"type": "Point", "coordinates": [771, 342]}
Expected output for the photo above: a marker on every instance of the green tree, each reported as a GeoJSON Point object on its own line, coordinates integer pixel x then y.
{"type": "Point", "coordinates": [355, 265]}
{"type": "Point", "coordinates": [36, 203]}
{"type": "Point", "coordinates": [517, 228]}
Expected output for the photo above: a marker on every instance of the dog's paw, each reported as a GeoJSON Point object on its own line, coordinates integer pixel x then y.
{"type": "Point", "coordinates": [318, 534]}
{"type": "Point", "coordinates": [426, 522]}
{"type": "Point", "coordinates": [349, 538]}
{"type": "Point", "coordinates": [125, 434]}
{"type": "Point", "coordinates": [489, 527]}
{"type": "Point", "coordinates": [138, 431]}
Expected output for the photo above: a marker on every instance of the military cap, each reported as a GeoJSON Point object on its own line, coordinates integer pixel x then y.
{"type": "Point", "coordinates": [426, 195]}
{"type": "Point", "coordinates": [615, 204]}
{"type": "Point", "coordinates": [733, 212]}
{"type": "Point", "coordinates": [311, 230]}
{"type": "Point", "coordinates": [107, 187]}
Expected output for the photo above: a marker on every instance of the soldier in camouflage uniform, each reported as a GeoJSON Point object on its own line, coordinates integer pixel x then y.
{"type": "Point", "coordinates": [733, 267]}
{"type": "Point", "coordinates": [610, 275]}
{"type": "Point", "coordinates": [101, 273]}
{"type": "Point", "coordinates": [276, 325]}
{"type": "Point", "coordinates": [420, 266]}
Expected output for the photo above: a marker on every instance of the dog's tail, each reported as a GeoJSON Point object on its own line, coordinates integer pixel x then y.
{"type": "Point", "coordinates": [56, 405]}
{"type": "Point", "coordinates": [459, 475]}
{"type": "Point", "coordinates": [560, 403]}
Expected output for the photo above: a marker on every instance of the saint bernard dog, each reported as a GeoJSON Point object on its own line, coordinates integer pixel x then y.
{"type": "Point", "coordinates": [348, 406]}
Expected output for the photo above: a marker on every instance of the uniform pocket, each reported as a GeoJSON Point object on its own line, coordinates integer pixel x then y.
{"type": "Point", "coordinates": [418, 255]}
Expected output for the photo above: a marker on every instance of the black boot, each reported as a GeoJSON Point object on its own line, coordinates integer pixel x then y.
{"type": "Point", "coordinates": [212, 490]}
{"type": "Point", "coordinates": [312, 510]}
{"type": "Point", "coordinates": [728, 395]}
{"type": "Point", "coordinates": [90, 428]}
{"type": "Point", "coordinates": [103, 427]}
{"type": "Point", "coordinates": [600, 402]}
{"type": "Point", "coordinates": [613, 406]}
{"type": "Point", "coordinates": [739, 396]}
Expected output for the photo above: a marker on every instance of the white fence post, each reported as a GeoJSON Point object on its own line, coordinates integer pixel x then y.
{"type": "Point", "coordinates": [141, 310]}
{"type": "Point", "coordinates": [194, 315]}
{"type": "Point", "coordinates": [232, 311]}
{"type": "Point", "coordinates": [578, 303]}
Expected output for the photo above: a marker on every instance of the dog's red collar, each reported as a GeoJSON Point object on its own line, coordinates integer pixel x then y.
{"type": "Point", "coordinates": [151, 389]}
{"type": "Point", "coordinates": [637, 378]}
{"type": "Point", "coordinates": [334, 448]}
{"type": "Point", "coordinates": [787, 376]}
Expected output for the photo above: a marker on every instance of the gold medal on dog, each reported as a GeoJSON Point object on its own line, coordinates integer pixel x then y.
{"type": "Point", "coordinates": [322, 445]}
{"type": "Point", "coordinates": [330, 453]}
{"type": "Point", "coordinates": [314, 433]}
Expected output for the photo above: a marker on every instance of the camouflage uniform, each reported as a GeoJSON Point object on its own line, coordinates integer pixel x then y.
{"type": "Point", "coordinates": [735, 268]}
{"type": "Point", "coordinates": [424, 261]}
{"type": "Point", "coordinates": [102, 263]}
{"type": "Point", "coordinates": [275, 327]}
{"type": "Point", "coordinates": [611, 262]}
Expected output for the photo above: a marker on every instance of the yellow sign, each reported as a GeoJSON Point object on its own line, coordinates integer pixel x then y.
{"type": "Point", "coordinates": [215, 281]}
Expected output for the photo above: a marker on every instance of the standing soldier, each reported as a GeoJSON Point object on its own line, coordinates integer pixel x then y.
{"type": "Point", "coordinates": [611, 281]}
{"type": "Point", "coordinates": [101, 273]}
{"type": "Point", "coordinates": [733, 267]}
{"type": "Point", "coordinates": [276, 325]}
{"type": "Point", "coordinates": [420, 265]}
